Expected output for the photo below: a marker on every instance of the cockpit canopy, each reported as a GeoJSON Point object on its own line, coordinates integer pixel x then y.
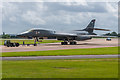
{"type": "Point", "coordinates": [38, 30]}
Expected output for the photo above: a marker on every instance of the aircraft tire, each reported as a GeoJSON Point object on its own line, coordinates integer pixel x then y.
{"type": "Point", "coordinates": [11, 44]}
{"type": "Point", "coordinates": [8, 45]}
{"type": "Point", "coordinates": [17, 44]}
{"type": "Point", "coordinates": [28, 44]}
{"type": "Point", "coordinates": [73, 43]}
{"type": "Point", "coordinates": [64, 43]}
{"type": "Point", "coordinates": [35, 44]}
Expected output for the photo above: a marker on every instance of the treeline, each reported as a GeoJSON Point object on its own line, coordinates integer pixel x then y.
{"type": "Point", "coordinates": [112, 34]}
{"type": "Point", "coordinates": [7, 36]}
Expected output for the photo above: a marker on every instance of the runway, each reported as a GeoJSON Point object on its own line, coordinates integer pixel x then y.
{"type": "Point", "coordinates": [94, 43]}
{"type": "Point", "coordinates": [60, 57]}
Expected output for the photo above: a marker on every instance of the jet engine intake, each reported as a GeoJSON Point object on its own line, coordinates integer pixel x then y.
{"type": "Point", "coordinates": [82, 38]}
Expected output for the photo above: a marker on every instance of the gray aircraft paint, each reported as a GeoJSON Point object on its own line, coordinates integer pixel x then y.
{"type": "Point", "coordinates": [40, 33]}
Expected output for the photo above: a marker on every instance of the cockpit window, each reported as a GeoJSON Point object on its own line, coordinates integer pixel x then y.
{"type": "Point", "coordinates": [32, 31]}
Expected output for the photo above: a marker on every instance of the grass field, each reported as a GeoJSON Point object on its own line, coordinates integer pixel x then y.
{"type": "Point", "coordinates": [29, 41]}
{"type": "Point", "coordinates": [79, 68]}
{"type": "Point", "coordinates": [90, 51]}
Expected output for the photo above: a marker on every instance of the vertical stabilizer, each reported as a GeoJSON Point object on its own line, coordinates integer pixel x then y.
{"type": "Point", "coordinates": [90, 27]}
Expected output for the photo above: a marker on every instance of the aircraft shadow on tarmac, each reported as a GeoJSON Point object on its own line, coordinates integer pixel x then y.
{"type": "Point", "coordinates": [87, 44]}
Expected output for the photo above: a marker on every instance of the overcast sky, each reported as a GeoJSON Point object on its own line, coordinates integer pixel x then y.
{"type": "Point", "coordinates": [61, 16]}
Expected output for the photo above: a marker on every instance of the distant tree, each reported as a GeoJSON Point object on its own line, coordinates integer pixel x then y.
{"type": "Point", "coordinates": [107, 34]}
{"type": "Point", "coordinates": [6, 36]}
{"type": "Point", "coordinates": [118, 34]}
{"type": "Point", "coordinates": [13, 36]}
{"type": "Point", "coordinates": [0, 36]}
{"type": "Point", "coordinates": [111, 34]}
{"type": "Point", "coordinates": [114, 34]}
{"type": "Point", "coordinates": [3, 33]}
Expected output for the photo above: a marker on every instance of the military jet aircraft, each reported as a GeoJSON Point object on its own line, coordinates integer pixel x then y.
{"type": "Point", "coordinates": [38, 33]}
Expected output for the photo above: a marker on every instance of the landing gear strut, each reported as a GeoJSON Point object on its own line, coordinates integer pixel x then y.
{"type": "Point", "coordinates": [35, 40]}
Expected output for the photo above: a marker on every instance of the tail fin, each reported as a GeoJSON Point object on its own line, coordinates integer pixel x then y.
{"type": "Point", "coordinates": [90, 27]}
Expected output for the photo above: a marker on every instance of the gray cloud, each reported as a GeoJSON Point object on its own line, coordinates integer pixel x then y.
{"type": "Point", "coordinates": [21, 16]}
{"type": "Point", "coordinates": [90, 7]}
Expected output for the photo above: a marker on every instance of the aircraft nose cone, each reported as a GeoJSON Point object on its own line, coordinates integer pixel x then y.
{"type": "Point", "coordinates": [21, 34]}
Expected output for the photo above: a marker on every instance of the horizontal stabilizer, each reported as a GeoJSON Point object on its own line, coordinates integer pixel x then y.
{"type": "Point", "coordinates": [100, 36]}
{"type": "Point", "coordinates": [101, 29]}
{"type": "Point", "coordinates": [93, 29]}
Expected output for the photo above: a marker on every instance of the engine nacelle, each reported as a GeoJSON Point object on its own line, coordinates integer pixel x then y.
{"type": "Point", "coordinates": [29, 37]}
{"type": "Point", "coordinates": [81, 38]}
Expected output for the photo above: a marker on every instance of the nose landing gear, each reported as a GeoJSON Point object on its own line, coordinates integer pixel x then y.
{"type": "Point", "coordinates": [36, 39]}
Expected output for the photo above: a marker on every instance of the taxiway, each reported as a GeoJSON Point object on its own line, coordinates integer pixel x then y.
{"type": "Point", "coordinates": [94, 43]}
{"type": "Point", "coordinates": [60, 57]}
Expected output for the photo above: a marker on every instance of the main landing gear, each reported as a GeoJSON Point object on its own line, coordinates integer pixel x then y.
{"type": "Point", "coordinates": [64, 43]}
{"type": "Point", "coordinates": [71, 43]}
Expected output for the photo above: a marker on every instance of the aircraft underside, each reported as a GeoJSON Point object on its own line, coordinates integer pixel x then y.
{"type": "Point", "coordinates": [66, 40]}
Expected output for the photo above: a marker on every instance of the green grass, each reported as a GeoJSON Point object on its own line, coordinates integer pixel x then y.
{"type": "Point", "coordinates": [90, 51]}
{"type": "Point", "coordinates": [80, 68]}
{"type": "Point", "coordinates": [29, 41]}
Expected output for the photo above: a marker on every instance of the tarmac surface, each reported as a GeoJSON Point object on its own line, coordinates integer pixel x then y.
{"type": "Point", "coordinates": [94, 43]}
{"type": "Point", "coordinates": [60, 57]}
